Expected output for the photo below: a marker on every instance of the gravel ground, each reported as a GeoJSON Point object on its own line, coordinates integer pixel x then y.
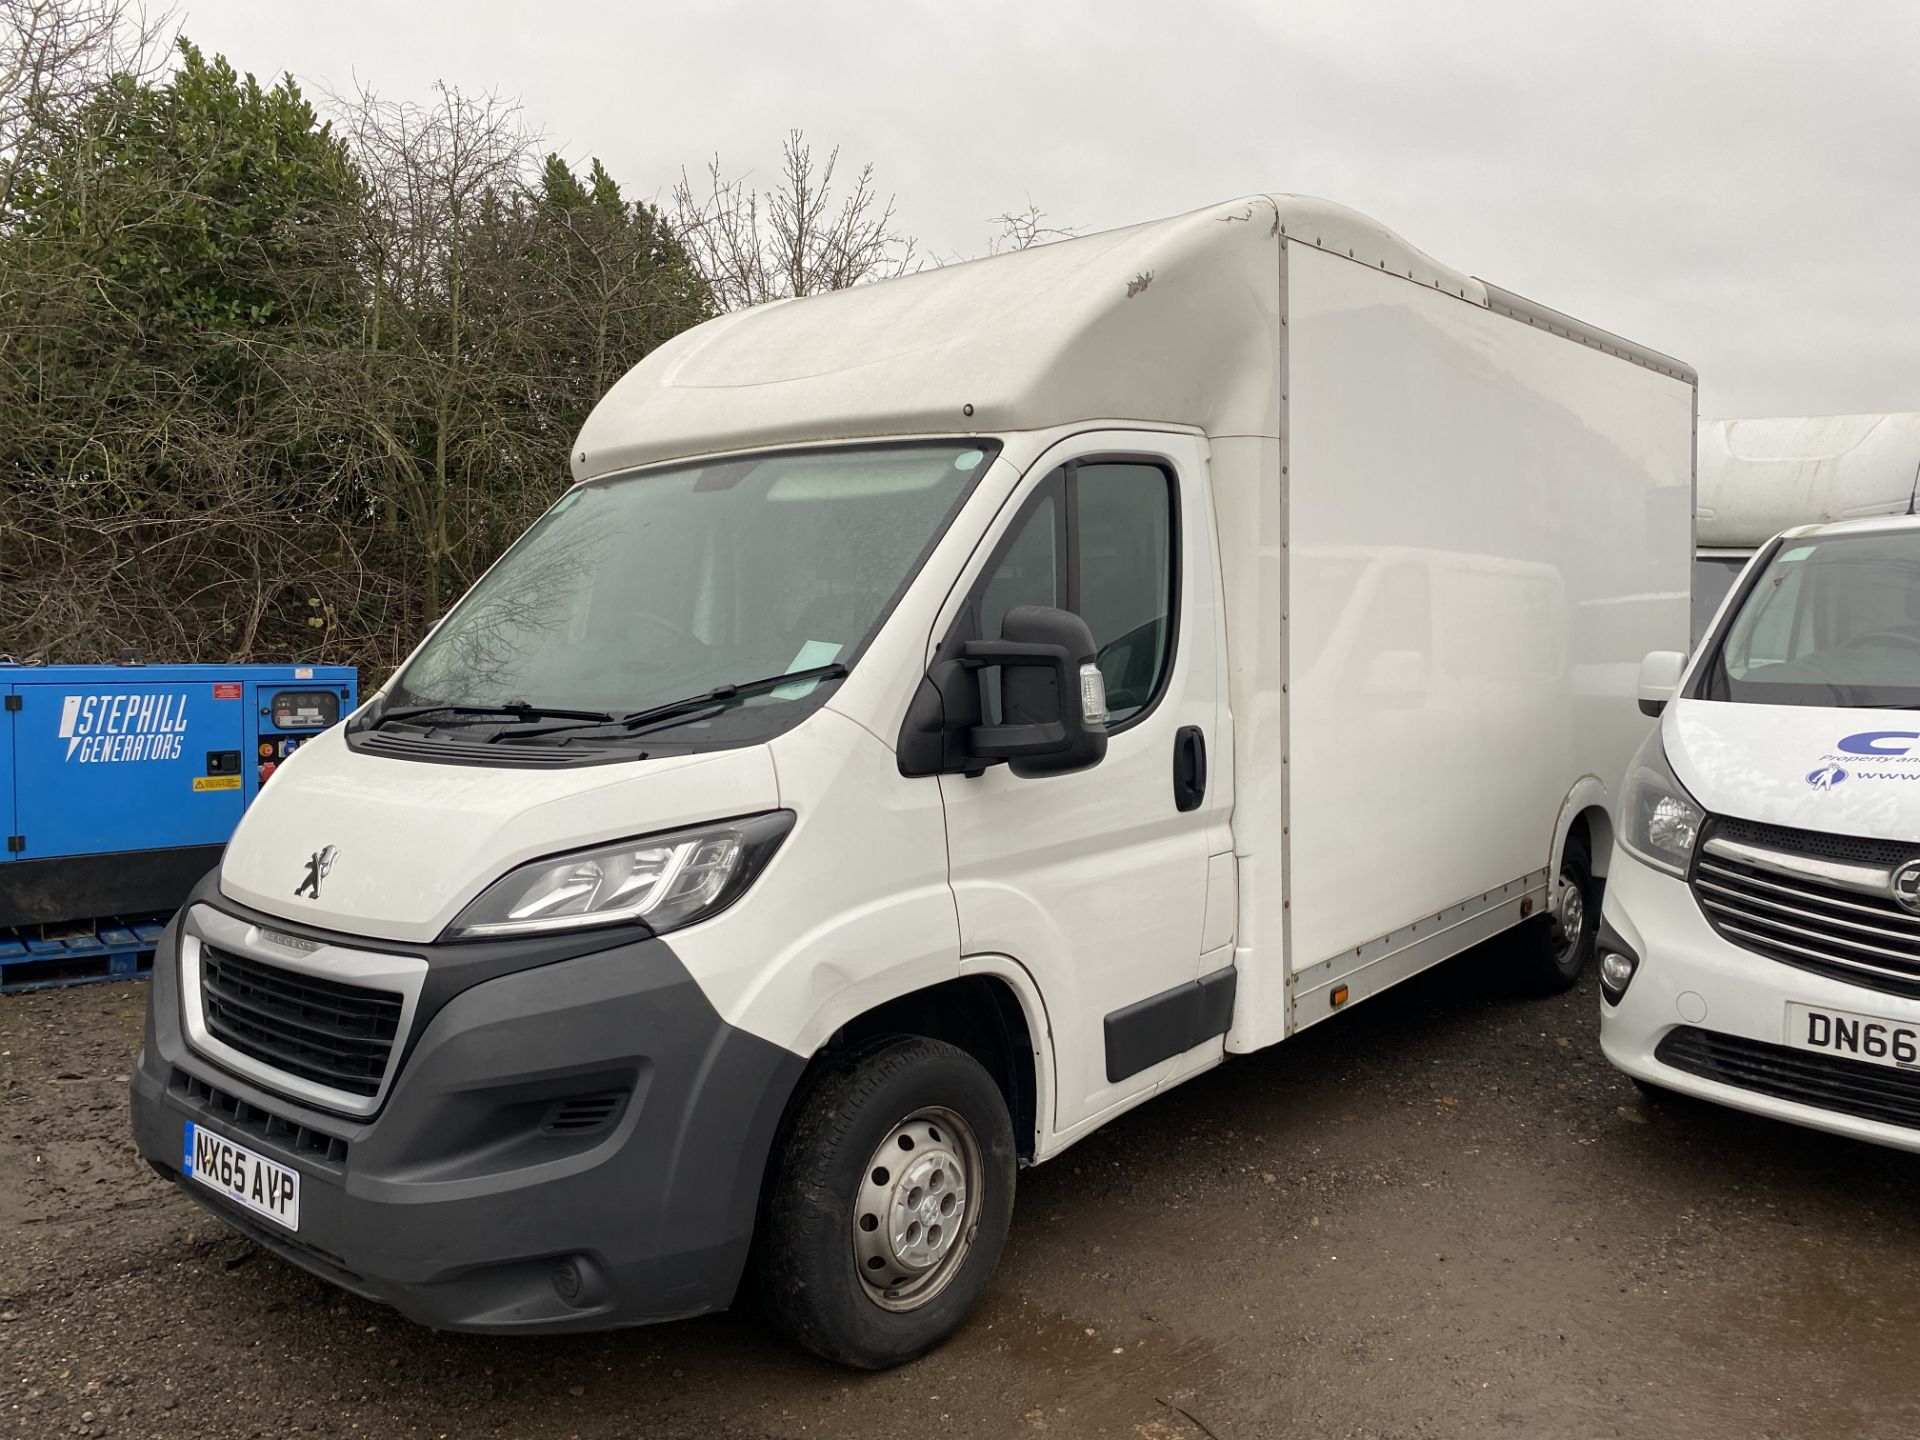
{"type": "Point", "coordinates": [1439, 1215]}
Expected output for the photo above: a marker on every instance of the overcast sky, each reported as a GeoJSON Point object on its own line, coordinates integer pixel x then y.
{"type": "Point", "coordinates": [1737, 184]}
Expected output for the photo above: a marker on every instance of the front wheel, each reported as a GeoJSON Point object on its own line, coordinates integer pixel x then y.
{"type": "Point", "coordinates": [889, 1203]}
{"type": "Point", "coordinates": [1557, 947]}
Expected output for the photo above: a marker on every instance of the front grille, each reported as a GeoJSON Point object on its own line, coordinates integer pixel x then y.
{"type": "Point", "coordinates": [1806, 919]}
{"type": "Point", "coordinates": [321, 1031]}
{"type": "Point", "coordinates": [1849, 849]}
{"type": "Point", "coordinates": [1869, 1092]}
{"type": "Point", "coordinates": [249, 1119]}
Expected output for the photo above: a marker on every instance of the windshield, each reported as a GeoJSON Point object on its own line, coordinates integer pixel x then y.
{"type": "Point", "coordinates": [1832, 620]}
{"type": "Point", "coordinates": [1713, 576]}
{"type": "Point", "coordinates": [652, 587]}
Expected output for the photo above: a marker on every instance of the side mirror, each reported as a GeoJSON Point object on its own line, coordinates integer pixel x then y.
{"type": "Point", "coordinates": [1659, 678]}
{"type": "Point", "coordinates": [1053, 702]}
{"type": "Point", "coordinates": [1396, 677]}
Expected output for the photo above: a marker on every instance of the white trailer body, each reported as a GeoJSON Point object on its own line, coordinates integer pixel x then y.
{"type": "Point", "coordinates": [1356, 557]}
{"type": "Point", "coordinates": [1761, 476]}
{"type": "Point", "coordinates": [1482, 517]}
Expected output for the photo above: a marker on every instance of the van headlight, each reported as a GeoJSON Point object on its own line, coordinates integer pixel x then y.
{"type": "Point", "coordinates": [1662, 821]}
{"type": "Point", "coordinates": [661, 881]}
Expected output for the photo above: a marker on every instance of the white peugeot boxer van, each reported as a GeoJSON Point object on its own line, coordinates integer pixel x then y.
{"type": "Point", "coordinates": [1760, 943]}
{"type": "Point", "coordinates": [943, 714]}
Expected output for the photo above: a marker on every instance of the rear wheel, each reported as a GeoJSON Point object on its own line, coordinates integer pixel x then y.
{"type": "Point", "coordinates": [889, 1202]}
{"type": "Point", "coordinates": [1556, 947]}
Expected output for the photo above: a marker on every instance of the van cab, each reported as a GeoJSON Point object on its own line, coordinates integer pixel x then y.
{"type": "Point", "coordinates": [1760, 939]}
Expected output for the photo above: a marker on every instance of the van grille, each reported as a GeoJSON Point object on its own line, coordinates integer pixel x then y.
{"type": "Point", "coordinates": [1818, 902]}
{"type": "Point", "coordinates": [261, 1124]}
{"type": "Point", "coordinates": [331, 1034]}
{"type": "Point", "coordinates": [1870, 1092]}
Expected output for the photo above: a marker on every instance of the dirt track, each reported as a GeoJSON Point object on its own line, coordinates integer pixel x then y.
{"type": "Point", "coordinates": [1441, 1215]}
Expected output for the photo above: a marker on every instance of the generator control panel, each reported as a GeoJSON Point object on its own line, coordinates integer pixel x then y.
{"type": "Point", "coordinates": [304, 709]}
{"type": "Point", "coordinates": [290, 716]}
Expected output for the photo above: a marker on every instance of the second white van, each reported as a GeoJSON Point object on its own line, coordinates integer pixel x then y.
{"type": "Point", "coordinates": [1760, 945]}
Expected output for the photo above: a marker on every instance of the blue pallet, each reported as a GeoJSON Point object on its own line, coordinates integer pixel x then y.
{"type": "Point", "coordinates": [53, 955]}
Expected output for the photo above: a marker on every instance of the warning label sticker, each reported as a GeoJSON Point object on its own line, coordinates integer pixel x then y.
{"type": "Point", "coordinates": [216, 782]}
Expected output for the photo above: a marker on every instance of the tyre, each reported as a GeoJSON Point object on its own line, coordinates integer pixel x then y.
{"type": "Point", "coordinates": [888, 1204]}
{"type": "Point", "coordinates": [1557, 947]}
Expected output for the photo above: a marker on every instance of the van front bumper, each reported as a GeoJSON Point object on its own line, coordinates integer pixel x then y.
{"type": "Point", "coordinates": [476, 1198]}
{"type": "Point", "coordinates": [1689, 977]}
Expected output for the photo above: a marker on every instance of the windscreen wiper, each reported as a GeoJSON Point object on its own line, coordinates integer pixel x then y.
{"type": "Point", "coordinates": [721, 693]}
{"type": "Point", "coordinates": [716, 699]}
{"type": "Point", "coordinates": [514, 709]}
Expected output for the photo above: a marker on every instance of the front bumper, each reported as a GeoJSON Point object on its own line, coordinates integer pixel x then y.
{"type": "Point", "coordinates": [1689, 976]}
{"type": "Point", "coordinates": [460, 1202]}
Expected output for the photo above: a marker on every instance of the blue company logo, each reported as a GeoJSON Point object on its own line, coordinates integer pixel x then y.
{"type": "Point", "coordinates": [1892, 743]}
{"type": "Point", "coordinates": [1826, 777]}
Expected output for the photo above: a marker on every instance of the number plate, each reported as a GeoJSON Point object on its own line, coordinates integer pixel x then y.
{"type": "Point", "coordinates": [1866, 1038]}
{"type": "Point", "coordinates": [259, 1184]}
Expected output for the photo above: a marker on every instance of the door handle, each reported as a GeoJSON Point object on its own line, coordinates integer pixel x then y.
{"type": "Point", "coordinates": [1189, 768]}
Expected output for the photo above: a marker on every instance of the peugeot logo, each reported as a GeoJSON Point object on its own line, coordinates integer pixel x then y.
{"type": "Point", "coordinates": [1906, 887]}
{"type": "Point", "coordinates": [317, 869]}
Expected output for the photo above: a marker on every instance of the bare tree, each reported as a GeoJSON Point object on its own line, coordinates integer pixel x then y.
{"type": "Point", "coordinates": [56, 55]}
{"type": "Point", "coordinates": [795, 239]}
{"type": "Point", "coordinates": [1023, 229]}
{"type": "Point", "coordinates": [431, 171]}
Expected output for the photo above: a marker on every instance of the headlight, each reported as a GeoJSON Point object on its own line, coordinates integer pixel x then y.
{"type": "Point", "coordinates": [1662, 821]}
{"type": "Point", "coordinates": [662, 881]}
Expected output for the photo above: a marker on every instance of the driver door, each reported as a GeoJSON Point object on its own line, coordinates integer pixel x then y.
{"type": "Point", "coordinates": [1096, 881]}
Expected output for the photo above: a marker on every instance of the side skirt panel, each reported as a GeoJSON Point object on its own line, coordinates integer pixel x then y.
{"type": "Point", "coordinates": [1171, 1023]}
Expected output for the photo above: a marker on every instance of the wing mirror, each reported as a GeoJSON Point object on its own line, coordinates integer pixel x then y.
{"type": "Point", "coordinates": [1053, 701]}
{"type": "Point", "coordinates": [1659, 678]}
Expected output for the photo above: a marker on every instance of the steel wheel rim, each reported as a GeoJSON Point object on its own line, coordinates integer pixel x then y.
{"type": "Point", "coordinates": [917, 1210]}
{"type": "Point", "coordinates": [1570, 917]}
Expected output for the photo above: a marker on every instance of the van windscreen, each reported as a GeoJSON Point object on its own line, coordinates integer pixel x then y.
{"type": "Point", "coordinates": [1831, 620]}
{"type": "Point", "coordinates": [665, 583]}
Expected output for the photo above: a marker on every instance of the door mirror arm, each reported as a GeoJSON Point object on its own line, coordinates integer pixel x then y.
{"type": "Point", "coordinates": [1035, 737]}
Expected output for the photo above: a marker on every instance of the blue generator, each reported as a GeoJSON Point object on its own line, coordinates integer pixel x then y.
{"type": "Point", "coordinates": [119, 784]}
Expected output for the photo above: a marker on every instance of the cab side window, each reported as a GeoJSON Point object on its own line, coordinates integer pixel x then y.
{"type": "Point", "coordinates": [1098, 539]}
